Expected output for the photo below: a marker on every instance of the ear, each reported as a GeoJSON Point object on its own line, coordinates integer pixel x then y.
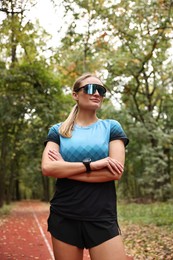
{"type": "Point", "coordinates": [75, 95]}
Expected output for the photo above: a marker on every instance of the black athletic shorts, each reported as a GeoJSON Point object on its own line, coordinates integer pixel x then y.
{"type": "Point", "coordinates": [83, 234]}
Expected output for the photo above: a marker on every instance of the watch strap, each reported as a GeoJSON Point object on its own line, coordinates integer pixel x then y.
{"type": "Point", "coordinates": [88, 168]}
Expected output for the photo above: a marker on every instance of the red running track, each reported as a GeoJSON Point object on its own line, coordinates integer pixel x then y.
{"type": "Point", "coordinates": [23, 234]}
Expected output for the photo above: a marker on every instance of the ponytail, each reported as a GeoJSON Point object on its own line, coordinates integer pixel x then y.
{"type": "Point", "coordinates": [67, 126]}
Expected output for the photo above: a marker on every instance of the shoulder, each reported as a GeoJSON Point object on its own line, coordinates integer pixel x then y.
{"type": "Point", "coordinates": [54, 128]}
{"type": "Point", "coordinates": [53, 134]}
{"type": "Point", "coordinates": [110, 122]}
{"type": "Point", "coordinates": [116, 130]}
{"type": "Point", "coordinates": [115, 124]}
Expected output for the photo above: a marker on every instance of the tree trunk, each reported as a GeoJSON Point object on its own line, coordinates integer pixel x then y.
{"type": "Point", "coordinates": [3, 167]}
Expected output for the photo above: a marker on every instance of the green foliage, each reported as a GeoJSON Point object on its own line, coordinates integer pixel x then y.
{"type": "Point", "coordinates": [147, 169]}
{"type": "Point", "coordinates": [159, 214]}
{"type": "Point", "coordinates": [5, 210]}
{"type": "Point", "coordinates": [147, 230]}
{"type": "Point", "coordinates": [30, 95]}
{"type": "Point", "coordinates": [127, 43]}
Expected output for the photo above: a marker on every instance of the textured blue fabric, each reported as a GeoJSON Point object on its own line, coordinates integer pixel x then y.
{"type": "Point", "coordinates": [91, 141]}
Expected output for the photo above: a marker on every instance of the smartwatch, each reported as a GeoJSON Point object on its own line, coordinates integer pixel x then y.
{"type": "Point", "coordinates": [87, 162]}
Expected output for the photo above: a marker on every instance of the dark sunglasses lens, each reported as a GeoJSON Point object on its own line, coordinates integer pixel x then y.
{"type": "Point", "coordinates": [101, 91]}
{"type": "Point", "coordinates": [91, 89]}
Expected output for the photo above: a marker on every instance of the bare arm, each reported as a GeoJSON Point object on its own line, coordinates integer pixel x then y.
{"type": "Point", "coordinates": [107, 169]}
{"type": "Point", "coordinates": [59, 168]}
{"type": "Point", "coordinates": [54, 165]}
{"type": "Point", "coordinates": [103, 175]}
{"type": "Point", "coordinates": [117, 153]}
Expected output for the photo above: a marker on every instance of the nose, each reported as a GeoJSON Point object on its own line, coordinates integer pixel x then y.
{"type": "Point", "coordinates": [96, 93]}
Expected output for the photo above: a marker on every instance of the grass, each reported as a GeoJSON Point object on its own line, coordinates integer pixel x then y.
{"type": "Point", "coordinates": [159, 214]}
{"type": "Point", "coordinates": [5, 210]}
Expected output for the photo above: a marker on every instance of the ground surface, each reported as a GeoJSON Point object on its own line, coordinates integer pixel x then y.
{"type": "Point", "coordinates": [23, 234]}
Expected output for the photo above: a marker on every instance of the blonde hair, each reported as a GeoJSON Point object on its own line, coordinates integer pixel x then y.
{"type": "Point", "coordinates": [66, 127]}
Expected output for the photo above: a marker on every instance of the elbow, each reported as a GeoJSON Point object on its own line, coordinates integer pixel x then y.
{"type": "Point", "coordinates": [49, 170]}
{"type": "Point", "coordinates": [45, 170]}
{"type": "Point", "coordinates": [117, 177]}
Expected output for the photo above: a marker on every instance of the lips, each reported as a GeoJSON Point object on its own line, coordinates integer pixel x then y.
{"type": "Point", "coordinates": [95, 100]}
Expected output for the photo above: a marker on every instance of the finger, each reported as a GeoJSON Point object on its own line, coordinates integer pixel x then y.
{"type": "Point", "coordinates": [117, 163]}
{"type": "Point", "coordinates": [115, 167]}
{"type": "Point", "coordinates": [55, 151]}
{"type": "Point", "coordinates": [52, 156]}
{"type": "Point", "coordinates": [57, 154]}
{"type": "Point", "coordinates": [111, 169]}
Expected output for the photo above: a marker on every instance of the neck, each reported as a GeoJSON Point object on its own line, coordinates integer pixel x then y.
{"type": "Point", "coordinates": [85, 119]}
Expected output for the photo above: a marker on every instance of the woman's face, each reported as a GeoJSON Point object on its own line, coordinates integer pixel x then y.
{"type": "Point", "coordinates": [88, 101]}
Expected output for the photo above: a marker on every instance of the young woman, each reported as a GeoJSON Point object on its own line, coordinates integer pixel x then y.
{"type": "Point", "coordinates": [86, 155]}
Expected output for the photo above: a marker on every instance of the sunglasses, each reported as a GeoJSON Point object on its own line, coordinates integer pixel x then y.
{"type": "Point", "coordinates": [91, 89]}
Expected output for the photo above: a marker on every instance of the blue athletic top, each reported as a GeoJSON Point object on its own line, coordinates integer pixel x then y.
{"type": "Point", "coordinates": [81, 200]}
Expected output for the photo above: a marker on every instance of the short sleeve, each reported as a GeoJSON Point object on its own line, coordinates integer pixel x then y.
{"type": "Point", "coordinates": [53, 135]}
{"type": "Point", "coordinates": [117, 132]}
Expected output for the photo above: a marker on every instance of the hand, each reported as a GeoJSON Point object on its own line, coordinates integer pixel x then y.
{"type": "Point", "coordinates": [113, 165]}
{"type": "Point", "coordinates": [54, 155]}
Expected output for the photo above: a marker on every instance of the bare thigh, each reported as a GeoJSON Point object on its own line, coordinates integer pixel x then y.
{"type": "Point", "coordinates": [64, 251]}
{"type": "Point", "coordinates": [112, 249]}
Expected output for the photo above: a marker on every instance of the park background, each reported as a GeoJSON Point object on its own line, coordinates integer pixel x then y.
{"type": "Point", "coordinates": [129, 44]}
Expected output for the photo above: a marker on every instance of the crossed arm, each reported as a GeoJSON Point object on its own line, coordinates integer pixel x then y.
{"type": "Point", "coordinates": [107, 169]}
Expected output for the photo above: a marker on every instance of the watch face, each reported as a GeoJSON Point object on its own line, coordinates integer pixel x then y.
{"type": "Point", "coordinates": [87, 160]}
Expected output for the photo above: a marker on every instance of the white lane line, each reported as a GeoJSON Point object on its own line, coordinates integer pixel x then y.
{"type": "Point", "coordinates": [43, 235]}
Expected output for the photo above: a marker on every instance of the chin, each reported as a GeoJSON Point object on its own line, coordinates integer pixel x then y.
{"type": "Point", "coordinates": [95, 107]}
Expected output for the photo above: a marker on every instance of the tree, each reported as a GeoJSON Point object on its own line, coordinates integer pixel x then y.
{"type": "Point", "coordinates": [132, 47]}
{"type": "Point", "coordinates": [128, 44]}
{"type": "Point", "coordinates": [30, 95]}
{"type": "Point", "coordinates": [140, 70]}
{"type": "Point", "coordinates": [83, 48]}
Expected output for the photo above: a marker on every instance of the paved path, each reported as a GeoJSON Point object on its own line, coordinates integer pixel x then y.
{"type": "Point", "coordinates": [23, 234]}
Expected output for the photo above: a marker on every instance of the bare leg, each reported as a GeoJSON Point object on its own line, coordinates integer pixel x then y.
{"type": "Point", "coordinates": [64, 251]}
{"type": "Point", "coordinates": [112, 249]}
